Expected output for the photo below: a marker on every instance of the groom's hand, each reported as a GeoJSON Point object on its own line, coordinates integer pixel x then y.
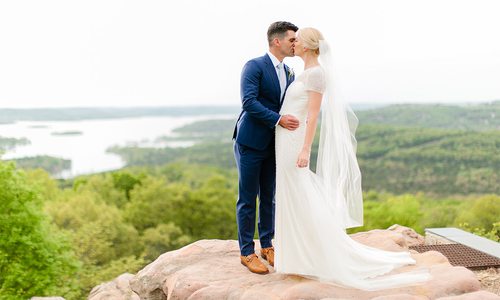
{"type": "Point", "coordinates": [289, 122]}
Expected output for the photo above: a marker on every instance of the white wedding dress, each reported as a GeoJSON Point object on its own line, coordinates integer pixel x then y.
{"type": "Point", "coordinates": [310, 239]}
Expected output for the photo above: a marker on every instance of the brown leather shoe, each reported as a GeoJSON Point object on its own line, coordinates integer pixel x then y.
{"type": "Point", "coordinates": [253, 263]}
{"type": "Point", "coordinates": [268, 254]}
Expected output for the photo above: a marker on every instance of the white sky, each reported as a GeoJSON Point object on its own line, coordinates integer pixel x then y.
{"type": "Point", "coordinates": [149, 53]}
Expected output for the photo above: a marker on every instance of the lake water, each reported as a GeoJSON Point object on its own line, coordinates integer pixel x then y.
{"type": "Point", "coordinates": [87, 149]}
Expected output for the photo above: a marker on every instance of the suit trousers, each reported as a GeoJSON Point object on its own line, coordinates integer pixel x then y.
{"type": "Point", "coordinates": [257, 177]}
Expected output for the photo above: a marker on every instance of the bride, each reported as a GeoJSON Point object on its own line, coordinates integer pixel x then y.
{"type": "Point", "coordinates": [314, 209]}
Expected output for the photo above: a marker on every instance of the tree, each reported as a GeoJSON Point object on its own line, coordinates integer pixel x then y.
{"type": "Point", "coordinates": [403, 210]}
{"type": "Point", "coordinates": [34, 259]}
{"type": "Point", "coordinates": [162, 238]}
{"type": "Point", "coordinates": [97, 229]}
{"type": "Point", "coordinates": [208, 212]}
{"type": "Point", "coordinates": [151, 203]}
{"type": "Point", "coordinates": [105, 245]}
{"type": "Point", "coordinates": [481, 213]}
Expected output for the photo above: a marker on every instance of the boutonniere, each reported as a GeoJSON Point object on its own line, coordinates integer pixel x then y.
{"type": "Point", "coordinates": [290, 73]}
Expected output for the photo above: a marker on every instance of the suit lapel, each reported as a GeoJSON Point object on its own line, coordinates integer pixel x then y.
{"type": "Point", "coordinates": [271, 71]}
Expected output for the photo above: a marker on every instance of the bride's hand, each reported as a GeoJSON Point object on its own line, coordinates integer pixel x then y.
{"type": "Point", "coordinates": [303, 160]}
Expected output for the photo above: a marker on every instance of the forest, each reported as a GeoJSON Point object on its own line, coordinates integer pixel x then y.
{"type": "Point", "coordinates": [395, 159]}
{"type": "Point", "coordinates": [65, 237]}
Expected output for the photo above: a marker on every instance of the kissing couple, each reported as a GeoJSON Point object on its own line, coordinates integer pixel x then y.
{"type": "Point", "coordinates": [305, 212]}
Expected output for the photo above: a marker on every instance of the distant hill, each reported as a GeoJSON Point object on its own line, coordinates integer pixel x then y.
{"type": "Point", "coordinates": [441, 161]}
{"type": "Point", "coordinates": [397, 159]}
{"type": "Point", "coordinates": [53, 165]}
{"type": "Point", "coordinates": [484, 116]}
{"type": "Point", "coordinates": [7, 143]}
{"type": "Point", "coordinates": [8, 115]}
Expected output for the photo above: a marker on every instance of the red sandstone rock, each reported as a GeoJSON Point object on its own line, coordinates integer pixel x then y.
{"type": "Point", "coordinates": [480, 295]}
{"type": "Point", "coordinates": [210, 269]}
{"type": "Point", "coordinates": [118, 289]}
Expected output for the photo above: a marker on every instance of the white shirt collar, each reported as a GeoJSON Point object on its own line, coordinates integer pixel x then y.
{"type": "Point", "coordinates": [273, 58]}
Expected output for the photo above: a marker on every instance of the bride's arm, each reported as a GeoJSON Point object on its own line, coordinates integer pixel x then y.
{"type": "Point", "coordinates": [314, 105]}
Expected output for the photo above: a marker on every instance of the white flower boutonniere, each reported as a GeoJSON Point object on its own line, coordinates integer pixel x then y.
{"type": "Point", "coordinates": [290, 73]}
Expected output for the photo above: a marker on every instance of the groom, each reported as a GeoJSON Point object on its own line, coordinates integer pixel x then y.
{"type": "Point", "coordinates": [264, 81]}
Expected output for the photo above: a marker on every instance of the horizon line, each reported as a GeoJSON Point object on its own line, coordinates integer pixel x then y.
{"type": "Point", "coordinates": [233, 105]}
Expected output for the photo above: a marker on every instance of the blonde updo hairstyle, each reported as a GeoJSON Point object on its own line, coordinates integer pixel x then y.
{"type": "Point", "coordinates": [310, 37]}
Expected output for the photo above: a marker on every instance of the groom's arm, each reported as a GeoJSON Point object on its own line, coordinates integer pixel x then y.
{"type": "Point", "coordinates": [250, 84]}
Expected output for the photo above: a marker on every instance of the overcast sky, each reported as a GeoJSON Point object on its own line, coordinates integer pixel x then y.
{"type": "Point", "coordinates": [153, 53]}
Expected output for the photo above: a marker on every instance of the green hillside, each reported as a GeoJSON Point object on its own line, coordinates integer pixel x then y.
{"type": "Point", "coordinates": [403, 160]}
{"type": "Point", "coordinates": [484, 116]}
{"type": "Point", "coordinates": [394, 159]}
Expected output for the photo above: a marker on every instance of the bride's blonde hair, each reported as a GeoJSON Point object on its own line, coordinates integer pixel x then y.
{"type": "Point", "coordinates": [310, 37]}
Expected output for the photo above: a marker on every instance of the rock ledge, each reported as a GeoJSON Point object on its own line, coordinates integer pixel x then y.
{"type": "Point", "coordinates": [210, 269]}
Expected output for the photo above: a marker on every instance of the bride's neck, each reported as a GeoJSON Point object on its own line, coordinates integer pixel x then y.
{"type": "Point", "coordinates": [310, 61]}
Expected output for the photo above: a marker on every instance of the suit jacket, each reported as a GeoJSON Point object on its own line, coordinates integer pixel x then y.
{"type": "Point", "coordinates": [260, 96]}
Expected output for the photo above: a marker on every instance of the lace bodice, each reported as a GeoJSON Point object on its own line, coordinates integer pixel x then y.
{"type": "Point", "coordinates": [295, 102]}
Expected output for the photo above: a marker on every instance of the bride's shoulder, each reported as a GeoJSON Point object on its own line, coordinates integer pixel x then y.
{"type": "Point", "coordinates": [318, 69]}
{"type": "Point", "coordinates": [316, 72]}
{"type": "Point", "coordinates": [315, 79]}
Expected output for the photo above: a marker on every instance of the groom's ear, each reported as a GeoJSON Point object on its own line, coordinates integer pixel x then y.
{"type": "Point", "coordinates": [275, 42]}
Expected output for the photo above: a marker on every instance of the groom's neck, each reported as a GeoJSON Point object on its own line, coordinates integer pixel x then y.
{"type": "Point", "coordinates": [277, 54]}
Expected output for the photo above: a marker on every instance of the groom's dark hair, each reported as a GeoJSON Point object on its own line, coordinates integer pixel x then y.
{"type": "Point", "coordinates": [279, 29]}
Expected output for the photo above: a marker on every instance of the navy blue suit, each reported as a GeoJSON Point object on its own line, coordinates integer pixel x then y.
{"type": "Point", "coordinates": [254, 150]}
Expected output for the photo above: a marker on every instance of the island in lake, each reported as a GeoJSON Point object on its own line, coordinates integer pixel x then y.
{"type": "Point", "coordinates": [74, 132]}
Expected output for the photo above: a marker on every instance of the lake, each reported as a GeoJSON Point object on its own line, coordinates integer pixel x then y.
{"type": "Point", "coordinates": [85, 142]}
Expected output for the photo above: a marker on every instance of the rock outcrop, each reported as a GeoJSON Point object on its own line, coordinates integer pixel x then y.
{"type": "Point", "coordinates": [119, 288]}
{"type": "Point", "coordinates": [210, 269]}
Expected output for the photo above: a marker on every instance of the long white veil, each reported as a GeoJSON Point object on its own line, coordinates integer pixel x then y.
{"type": "Point", "coordinates": [337, 163]}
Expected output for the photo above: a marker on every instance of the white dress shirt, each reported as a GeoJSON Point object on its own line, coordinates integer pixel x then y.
{"type": "Point", "coordinates": [279, 67]}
